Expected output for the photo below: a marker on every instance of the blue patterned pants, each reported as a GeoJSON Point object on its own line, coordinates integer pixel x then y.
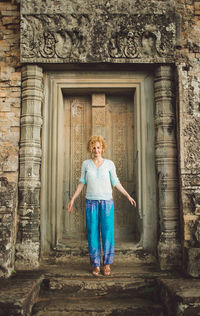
{"type": "Point", "coordinates": [100, 219]}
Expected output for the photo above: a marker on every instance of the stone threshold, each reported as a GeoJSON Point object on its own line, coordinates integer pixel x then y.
{"type": "Point", "coordinates": [123, 250]}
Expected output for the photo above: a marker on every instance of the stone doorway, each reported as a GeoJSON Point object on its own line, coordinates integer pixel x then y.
{"type": "Point", "coordinates": [120, 44]}
{"type": "Point", "coordinates": [71, 114]}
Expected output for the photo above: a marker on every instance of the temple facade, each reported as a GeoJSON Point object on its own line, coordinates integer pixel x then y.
{"type": "Point", "coordinates": [126, 70]}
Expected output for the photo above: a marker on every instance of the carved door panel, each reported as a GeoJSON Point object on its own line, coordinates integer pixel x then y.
{"type": "Point", "coordinates": [119, 134]}
{"type": "Point", "coordinates": [114, 120]}
{"type": "Point", "coordinates": [77, 130]}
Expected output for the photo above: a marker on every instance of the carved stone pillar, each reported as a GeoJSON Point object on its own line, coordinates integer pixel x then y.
{"type": "Point", "coordinates": [28, 239]}
{"type": "Point", "coordinates": [98, 114]}
{"type": "Point", "coordinates": [169, 249]}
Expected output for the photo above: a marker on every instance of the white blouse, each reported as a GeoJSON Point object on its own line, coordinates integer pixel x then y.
{"type": "Point", "coordinates": [99, 179]}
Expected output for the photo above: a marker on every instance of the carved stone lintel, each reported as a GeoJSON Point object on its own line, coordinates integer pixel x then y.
{"type": "Point", "coordinates": [169, 248]}
{"type": "Point", "coordinates": [28, 241]}
{"type": "Point", "coordinates": [85, 35]}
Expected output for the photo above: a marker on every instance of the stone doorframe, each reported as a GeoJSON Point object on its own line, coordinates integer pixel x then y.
{"type": "Point", "coordinates": [29, 235]}
{"type": "Point", "coordinates": [52, 190]}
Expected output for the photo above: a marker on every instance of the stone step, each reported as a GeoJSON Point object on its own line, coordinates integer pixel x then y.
{"type": "Point", "coordinates": [79, 267]}
{"type": "Point", "coordinates": [19, 293]}
{"type": "Point", "coordinates": [61, 305]}
{"type": "Point", "coordinates": [133, 287]}
{"type": "Point", "coordinates": [180, 296]}
{"type": "Point", "coordinates": [69, 289]}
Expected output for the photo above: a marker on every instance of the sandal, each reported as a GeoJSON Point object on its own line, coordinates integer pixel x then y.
{"type": "Point", "coordinates": [96, 271]}
{"type": "Point", "coordinates": [107, 270]}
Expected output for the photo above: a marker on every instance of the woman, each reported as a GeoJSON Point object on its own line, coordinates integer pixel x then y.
{"type": "Point", "coordinates": [98, 173]}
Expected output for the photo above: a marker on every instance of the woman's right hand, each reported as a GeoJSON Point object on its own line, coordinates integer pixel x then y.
{"type": "Point", "coordinates": [76, 194]}
{"type": "Point", "coordinates": [70, 205]}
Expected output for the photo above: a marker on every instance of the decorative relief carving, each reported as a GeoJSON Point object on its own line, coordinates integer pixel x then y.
{"type": "Point", "coordinates": [86, 37]}
{"type": "Point", "coordinates": [98, 116]}
{"type": "Point", "coordinates": [191, 208]}
{"type": "Point", "coordinates": [134, 44]}
{"type": "Point", "coordinates": [191, 230]}
{"type": "Point", "coordinates": [197, 233]}
{"type": "Point", "coordinates": [192, 144]}
{"type": "Point", "coordinates": [53, 36]}
{"type": "Point", "coordinates": [123, 45]}
{"type": "Point", "coordinates": [190, 180]}
{"type": "Point", "coordinates": [196, 202]}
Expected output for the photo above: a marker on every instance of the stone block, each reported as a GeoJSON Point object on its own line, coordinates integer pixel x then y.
{"type": "Point", "coordinates": [11, 164]}
{"type": "Point", "coordinates": [15, 79]}
{"type": "Point", "coordinates": [10, 13]}
{"type": "Point", "coordinates": [10, 20]}
{"type": "Point", "coordinates": [180, 296]}
{"type": "Point", "coordinates": [18, 294]}
{"type": "Point", "coordinates": [11, 137]}
{"type": "Point", "coordinates": [190, 229]}
{"type": "Point", "coordinates": [196, 7]}
{"type": "Point", "coordinates": [8, 192]}
{"type": "Point", "coordinates": [9, 158]}
{"type": "Point", "coordinates": [8, 6]}
{"type": "Point", "coordinates": [27, 255]}
{"type": "Point", "coordinates": [13, 26]}
{"type": "Point", "coordinates": [5, 73]}
{"type": "Point", "coordinates": [4, 106]}
{"type": "Point", "coordinates": [15, 102]}
{"type": "Point", "coordinates": [12, 39]}
{"type": "Point", "coordinates": [98, 99]}
{"type": "Point", "coordinates": [170, 255]}
{"type": "Point", "coordinates": [193, 262]}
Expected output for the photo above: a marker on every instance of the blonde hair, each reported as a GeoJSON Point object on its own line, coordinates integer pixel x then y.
{"type": "Point", "coordinates": [95, 139]}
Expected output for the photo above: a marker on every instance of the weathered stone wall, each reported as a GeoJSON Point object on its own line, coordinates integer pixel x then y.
{"type": "Point", "coordinates": [188, 104]}
{"type": "Point", "coordinates": [10, 94]}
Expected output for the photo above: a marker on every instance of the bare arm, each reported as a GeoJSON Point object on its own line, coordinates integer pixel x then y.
{"type": "Point", "coordinates": [76, 194]}
{"type": "Point", "coordinates": [123, 191]}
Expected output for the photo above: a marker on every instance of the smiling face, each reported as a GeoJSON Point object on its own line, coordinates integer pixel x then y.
{"type": "Point", "coordinates": [96, 146]}
{"type": "Point", "coordinates": [97, 150]}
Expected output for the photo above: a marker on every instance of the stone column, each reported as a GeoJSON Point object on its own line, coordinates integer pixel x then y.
{"type": "Point", "coordinates": [28, 238]}
{"type": "Point", "coordinates": [169, 248]}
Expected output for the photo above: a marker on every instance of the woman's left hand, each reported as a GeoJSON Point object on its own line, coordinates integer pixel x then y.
{"type": "Point", "coordinates": [123, 191]}
{"type": "Point", "coordinates": [132, 201]}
